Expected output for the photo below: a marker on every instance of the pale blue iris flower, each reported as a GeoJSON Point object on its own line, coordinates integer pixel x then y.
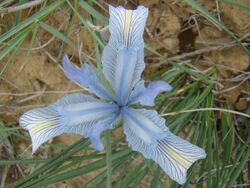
{"type": "Point", "coordinates": [123, 63]}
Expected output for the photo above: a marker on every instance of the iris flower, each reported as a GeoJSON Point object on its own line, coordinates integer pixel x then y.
{"type": "Point", "coordinates": [123, 63]}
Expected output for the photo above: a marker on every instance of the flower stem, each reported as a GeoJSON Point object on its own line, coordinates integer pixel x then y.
{"type": "Point", "coordinates": [108, 158]}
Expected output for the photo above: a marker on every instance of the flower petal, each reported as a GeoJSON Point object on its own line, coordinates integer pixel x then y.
{"type": "Point", "coordinates": [123, 56]}
{"type": "Point", "coordinates": [75, 113]}
{"type": "Point", "coordinates": [127, 26]}
{"type": "Point", "coordinates": [146, 133]}
{"type": "Point", "coordinates": [85, 77]}
{"type": "Point", "coordinates": [95, 132]}
{"type": "Point", "coordinates": [146, 96]}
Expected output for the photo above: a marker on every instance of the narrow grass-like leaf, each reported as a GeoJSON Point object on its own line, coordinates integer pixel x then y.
{"type": "Point", "coordinates": [12, 56]}
{"type": "Point", "coordinates": [93, 12]}
{"type": "Point", "coordinates": [156, 178]}
{"type": "Point", "coordinates": [217, 157]}
{"type": "Point", "coordinates": [85, 24]}
{"type": "Point", "coordinates": [3, 3]}
{"type": "Point", "coordinates": [32, 161]}
{"type": "Point", "coordinates": [34, 18]}
{"type": "Point", "coordinates": [138, 179]}
{"type": "Point", "coordinates": [191, 72]}
{"type": "Point", "coordinates": [130, 177]}
{"type": "Point", "coordinates": [152, 50]}
{"type": "Point", "coordinates": [97, 179]}
{"type": "Point", "coordinates": [7, 23]}
{"type": "Point", "coordinates": [57, 34]}
{"type": "Point", "coordinates": [178, 123]}
{"type": "Point", "coordinates": [208, 122]}
{"type": "Point", "coordinates": [73, 162]}
{"type": "Point", "coordinates": [237, 170]}
{"type": "Point", "coordinates": [66, 35]}
{"type": "Point", "coordinates": [55, 163]}
{"type": "Point", "coordinates": [118, 157]}
{"type": "Point", "coordinates": [8, 129]}
{"type": "Point", "coordinates": [19, 13]}
{"type": "Point", "coordinates": [34, 34]}
{"type": "Point", "coordinates": [236, 4]}
{"type": "Point", "coordinates": [14, 42]}
{"type": "Point", "coordinates": [109, 158]}
{"type": "Point", "coordinates": [214, 20]}
{"type": "Point", "coordinates": [227, 136]}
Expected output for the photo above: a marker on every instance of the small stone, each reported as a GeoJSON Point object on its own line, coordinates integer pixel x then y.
{"type": "Point", "coordinates": [233, 92]}
{"type": "Point", "coordinates": [171, 45]}
{"type": "Point", "coordinates": [241, 104]}
{"type": "Point", "coordinates": [237, 19]}
{"type": "Point", "coordinates": [235, 58]}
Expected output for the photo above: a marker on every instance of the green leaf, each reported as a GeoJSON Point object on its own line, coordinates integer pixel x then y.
{"type": "Point", "coordinates": [97, 15]}
{"type": "Point", "coordinates": [12, 44]}
{"type": "Point", "coordinates": [33, 19]}
{"type": "Point", "coordinates": [236, 4]}
{"type": "Point", "coordinates": [109, 158]}
{"type": "Point", "coordinates": [57, 34]}
{"type": "Point", "coordinates": [214, 20]}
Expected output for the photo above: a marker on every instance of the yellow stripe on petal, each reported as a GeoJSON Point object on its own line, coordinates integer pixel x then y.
{"type": "Point", "coordinates": [185, 163]}
{"type": "Point", "coordinates": [42, 126]}
{"type": "Point", "coordinates": [127, 27]}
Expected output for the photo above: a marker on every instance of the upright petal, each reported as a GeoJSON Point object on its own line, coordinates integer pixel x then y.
{"type": "Point", "coordinates": [127, 26]}
{"type": "Point", "coordinates": [146, 95]}
{"type": "Point", "coordinates": [123, 56]}
{"type": "Point", "coordinates": [85, 77]}
{"type": "Point", "coordinates": [75, 113]}
{"type": "Point", "coordinates": [146, 133]}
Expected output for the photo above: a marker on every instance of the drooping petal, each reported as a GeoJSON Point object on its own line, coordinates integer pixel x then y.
{"type": "Point", "coordinates": [146, 133]}
{"type": "Point", "coordinates": [146, 95]}
{"type": "Point", "coordinates": [95, 132]}
{"type": "Point", "coordinates": [74, 113]}
{"type": "Point", "coordinates": [85, 77]}
{"type": "Point", "coordinates": [123, 56]}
